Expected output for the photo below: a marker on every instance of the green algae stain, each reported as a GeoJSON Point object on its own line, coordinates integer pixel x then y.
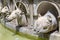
{"type": "Point", "coordinates": [6, 34]}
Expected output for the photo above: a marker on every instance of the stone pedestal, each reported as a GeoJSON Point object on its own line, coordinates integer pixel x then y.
{"type": "Point", "coordinates": [31, 11]}
{"type": "Point", "coordinates": [55, 36]}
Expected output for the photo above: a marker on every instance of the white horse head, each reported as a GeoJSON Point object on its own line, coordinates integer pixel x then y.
{"type": "Point", "coordinates": [45, 23]}
{"type": "Point", "coordinates": [5, 9]}
{"type": "Point", "coordinates": [16, 13]}
{"type": "Point", "coordinates": [19, 15]}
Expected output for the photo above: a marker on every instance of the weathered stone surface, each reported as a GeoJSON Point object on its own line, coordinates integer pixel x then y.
{"type": "Point", "coordinates": [55, 36]}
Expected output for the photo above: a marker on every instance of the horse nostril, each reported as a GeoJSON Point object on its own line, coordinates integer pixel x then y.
{"type": "Point", "coordinates": [37, 31]}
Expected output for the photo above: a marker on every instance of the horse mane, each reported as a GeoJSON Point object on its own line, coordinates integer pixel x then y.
{"type": "Point", "coordinates": [22, 7]}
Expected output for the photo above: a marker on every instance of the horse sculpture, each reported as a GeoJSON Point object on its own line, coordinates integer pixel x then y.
{"type": "Point", "coordinates": [5, 9]}
{"type": "Point", "coordinates": [46, 23]}
{"type": "Point", "coordinates": [4, 12]}
{"type": "Point", "coordinates": [19, 15]}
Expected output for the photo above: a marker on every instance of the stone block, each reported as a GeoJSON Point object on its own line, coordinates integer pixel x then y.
{"type": "Point", "coordinates": [55, 36]}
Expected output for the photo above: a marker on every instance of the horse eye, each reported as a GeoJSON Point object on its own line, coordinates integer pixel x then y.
{"type": "Point", "coordinates": [45, 28]}
{"type": "Point", "coordinates": [21, 14]}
